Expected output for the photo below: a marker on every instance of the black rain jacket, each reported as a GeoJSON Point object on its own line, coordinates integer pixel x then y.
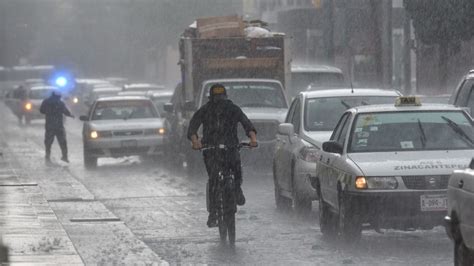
{"type": "Point", "coordinates": [54, 109]}
{"type": "Point", "coordinates": [219, 120]}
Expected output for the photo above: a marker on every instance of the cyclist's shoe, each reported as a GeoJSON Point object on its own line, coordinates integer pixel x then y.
{"type": "Point", "coordinates": [212, 221]}
{"type": "Point", "coordinates": [239, 194]}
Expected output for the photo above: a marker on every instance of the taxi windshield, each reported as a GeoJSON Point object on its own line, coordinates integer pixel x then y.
{"type": "Point", "coordinates": [113, 110]}
{"type": "Point", "coordinates": [411, 131]}
{"type": "Point", "coordinates": [40, 94]}
{"type": "Point", "coordinates": [322, 114]}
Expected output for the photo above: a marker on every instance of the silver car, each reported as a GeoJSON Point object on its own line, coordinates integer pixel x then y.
{"type": "Point", "coordinates": [122, 126]}
{"type": "Point", "coordinates": [310, 121]}
{"type": "Point", "coordinates": [387, 166]}
{"type": "Point", "coordinates": [460, 219]}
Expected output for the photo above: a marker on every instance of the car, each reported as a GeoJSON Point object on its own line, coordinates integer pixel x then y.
{"type": "Point", "coordinates": [30, 105]}
{"type": "Point", "coordinates": [463, 95]}
{"type": "Point", "coordinates": [122, 126]}
{"type": "Point", "coordinates": [387, 166]}
{"type": "Point", "coordinates": [159, 98]}
{"type": "Point", "coordinates": [103, 91]}
{"type": "Point", "coordinates": [309, 122]}
{"type": "Point", "coordinates": [440, 98]}
{"type": "Point", "coordinates": [316, 76]}
{"type": "Point", "coordinates": [460, 218]}
{"type": "Point", "coordinates": [83, 88]}
{"type": "Point", "coordinates": [143, 87]}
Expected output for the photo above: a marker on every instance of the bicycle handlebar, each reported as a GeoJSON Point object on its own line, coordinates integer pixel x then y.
{"type": "Point", "coordinates": [222, 146]}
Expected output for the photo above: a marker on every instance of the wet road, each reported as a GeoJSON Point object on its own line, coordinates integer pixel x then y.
{"type": "Point", "coordinates": [129, 210]}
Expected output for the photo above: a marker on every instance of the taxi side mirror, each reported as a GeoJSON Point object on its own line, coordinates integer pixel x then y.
{"type": "Point", "coordinates": [168, 107]}
{"type": "Point", "coordinates": [83, 118]}
{"type": "Point", "coordinates": [286, 129]}
{"type": "Point", "coordinates": [332, 147]}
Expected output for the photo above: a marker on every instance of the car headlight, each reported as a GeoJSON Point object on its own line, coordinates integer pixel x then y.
{"type": "Point", "coordinates": [309, 154]}
{"type": "Point", "coordinates": [94, 134]}
{"type": "Point", "coordinates": [376, 182]}
{"type": "Point", "coordinates": [75, 100]}
{"type": "Point", "coordinates": [154, 131]}
{"type": "Point", "coordinates": [28, 106]}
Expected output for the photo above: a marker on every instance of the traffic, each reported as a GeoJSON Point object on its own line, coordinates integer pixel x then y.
{"type": "Point", "coordinates": [323, 157]}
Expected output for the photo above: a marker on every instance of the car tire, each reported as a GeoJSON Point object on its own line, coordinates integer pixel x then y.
{"type": "Point", "coordinates": [301, 203]}
{"type": "Point", "coordinates": [462, 255]}
{"type": "Point", "coordinates": [348, 222]}
{"type": "Point", "coordinates": [282, 203]}
{"type": "Point", "coordinates": [90, 162]}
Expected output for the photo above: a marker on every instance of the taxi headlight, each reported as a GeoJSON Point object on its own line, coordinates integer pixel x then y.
{"type": "Point", "coordinates": [94, 134]}
{"type": "Point", "coordinates": [75, 100]}
{"type": "Point", "coordinates": [155, 131]}
{"type": "Point", "coordinates": [161, 131]}
{"type": "Point", "coordinates": [382, 182]}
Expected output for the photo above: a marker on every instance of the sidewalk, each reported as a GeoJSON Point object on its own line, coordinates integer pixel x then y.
{"type": "Point", "coordinates": [28, 226]}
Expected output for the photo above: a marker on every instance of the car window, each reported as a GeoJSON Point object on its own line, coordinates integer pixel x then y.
{"type": "Point", "coordinates": [39, 94]}
{"type": "Point", "coordinates": [341, 138]}
{"type": "Point", "coordinates": [160, 103]}
{"type": "Point", "coordinates": [412, 130]}
{"type": "Point", "coordinates": [322, 114]}
{"type": "Point", "coordinates": [338, 128]}
{"type": "Point", "coordinates": [462, 97]}
{"type": "Point", "coordinates": [289, 115]}
{"type": "Point", "coordinates": [296, 118]}
{"type": "Point", "coordinates": [114, 110]}
{"type": "Point", "coordinates": [470, 101]}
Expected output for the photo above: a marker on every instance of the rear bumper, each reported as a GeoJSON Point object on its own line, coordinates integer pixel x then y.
{"type": "Point", "coordinates": [398, 210]}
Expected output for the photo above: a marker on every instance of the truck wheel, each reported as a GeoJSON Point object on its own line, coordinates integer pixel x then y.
{"type": "Point", "coordinates": [349, 225]}
{"type": "Point", "coordinates": [302, 204]}
{"type": "Point", "coordinates": [462, 255]}
{"type": "Point", "coordinates": [326, 219]}
{"type": "Point", "coordinates": [90, 162]}
{"type": "Point", "coordinates": [282, 203]}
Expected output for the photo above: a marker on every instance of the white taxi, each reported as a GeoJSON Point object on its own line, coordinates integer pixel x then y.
{"type": "Point", "coordinates": [388, 166]}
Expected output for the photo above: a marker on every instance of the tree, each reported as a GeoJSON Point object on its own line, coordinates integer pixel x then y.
{"type": "Point", "coordinates": [443, 22]}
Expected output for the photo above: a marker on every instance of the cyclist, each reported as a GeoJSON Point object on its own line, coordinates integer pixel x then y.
{"type": "Point", "coordinates": [220, 118]}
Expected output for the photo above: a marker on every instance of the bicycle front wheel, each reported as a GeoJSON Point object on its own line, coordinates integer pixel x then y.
{"type": "Point", "coordinates": [230, 221]}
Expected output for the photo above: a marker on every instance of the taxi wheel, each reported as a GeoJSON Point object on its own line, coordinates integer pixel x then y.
{"type": "Point", "coordinates": [462, 255]}
{"type": "Point", "coordinates": [90, 162]}
{"type": "Point", "coordinates": [349, 225]}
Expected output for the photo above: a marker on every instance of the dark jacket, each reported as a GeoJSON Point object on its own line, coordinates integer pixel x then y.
{"type": "Point", "coordinates": [54, 109]}
{"type": "Point", "coordinates": [219, 120]}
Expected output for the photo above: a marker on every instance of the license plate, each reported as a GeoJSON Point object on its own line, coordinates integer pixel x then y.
{"type": "Point", "coordinates": [129, 143]}
{"type": "Point", "coordinates": [433, 203]}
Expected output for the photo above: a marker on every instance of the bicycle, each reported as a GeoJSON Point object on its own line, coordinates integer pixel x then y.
{"type": "Point", "coordinates": [225, 193]}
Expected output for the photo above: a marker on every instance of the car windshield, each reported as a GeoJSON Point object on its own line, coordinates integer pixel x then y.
{"type": "Point", "coordinates": [160, 103]}
{"type": "Point", "coordinates": [301, 80]}
{"type": "Point", "coordinates": [322, 114]}
{"type": "Point", "coordinates": [414, 130]}
{"type": "Point", "coordinates": [253, 94]}
{"type": "Point", "coordinates": [113, 110]}
{"type": "Point", "coordinates": [39, 94]}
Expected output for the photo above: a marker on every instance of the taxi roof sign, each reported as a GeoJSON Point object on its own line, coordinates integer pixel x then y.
{"type": "Point", "coordinates": [408, 101]}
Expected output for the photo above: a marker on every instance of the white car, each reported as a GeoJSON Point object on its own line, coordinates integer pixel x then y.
{"type": "Point", "coordinates": [122, 126]}
{"type": "Point", "coordinates": [310, 121]}
{"type": "Point", "coordinates": [32, 104]}
{"type": "Point", "coordinates": [143, 87]}
{"type": "Point", "coordinates": [460, 219]}
{"type": "Point", "coordinates": [388, 166]}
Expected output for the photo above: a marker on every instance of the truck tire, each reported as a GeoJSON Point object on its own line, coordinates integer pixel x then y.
{"type": "Point", "coordinates": [462, 255]}
{"type": "Point", "coordinates": [301, 203]}
{"type": "Point", "coordinates": [349, 225]}
{"type": "Point", "coordinates": [326, 219]}
{"type": "Point", "coordinates": [90, 162]}
{"type": "Point", "coordinates": [282, 203]}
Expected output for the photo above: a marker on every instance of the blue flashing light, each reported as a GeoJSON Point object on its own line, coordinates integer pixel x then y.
{"type": "Point", "coordinates": [61, 82]}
